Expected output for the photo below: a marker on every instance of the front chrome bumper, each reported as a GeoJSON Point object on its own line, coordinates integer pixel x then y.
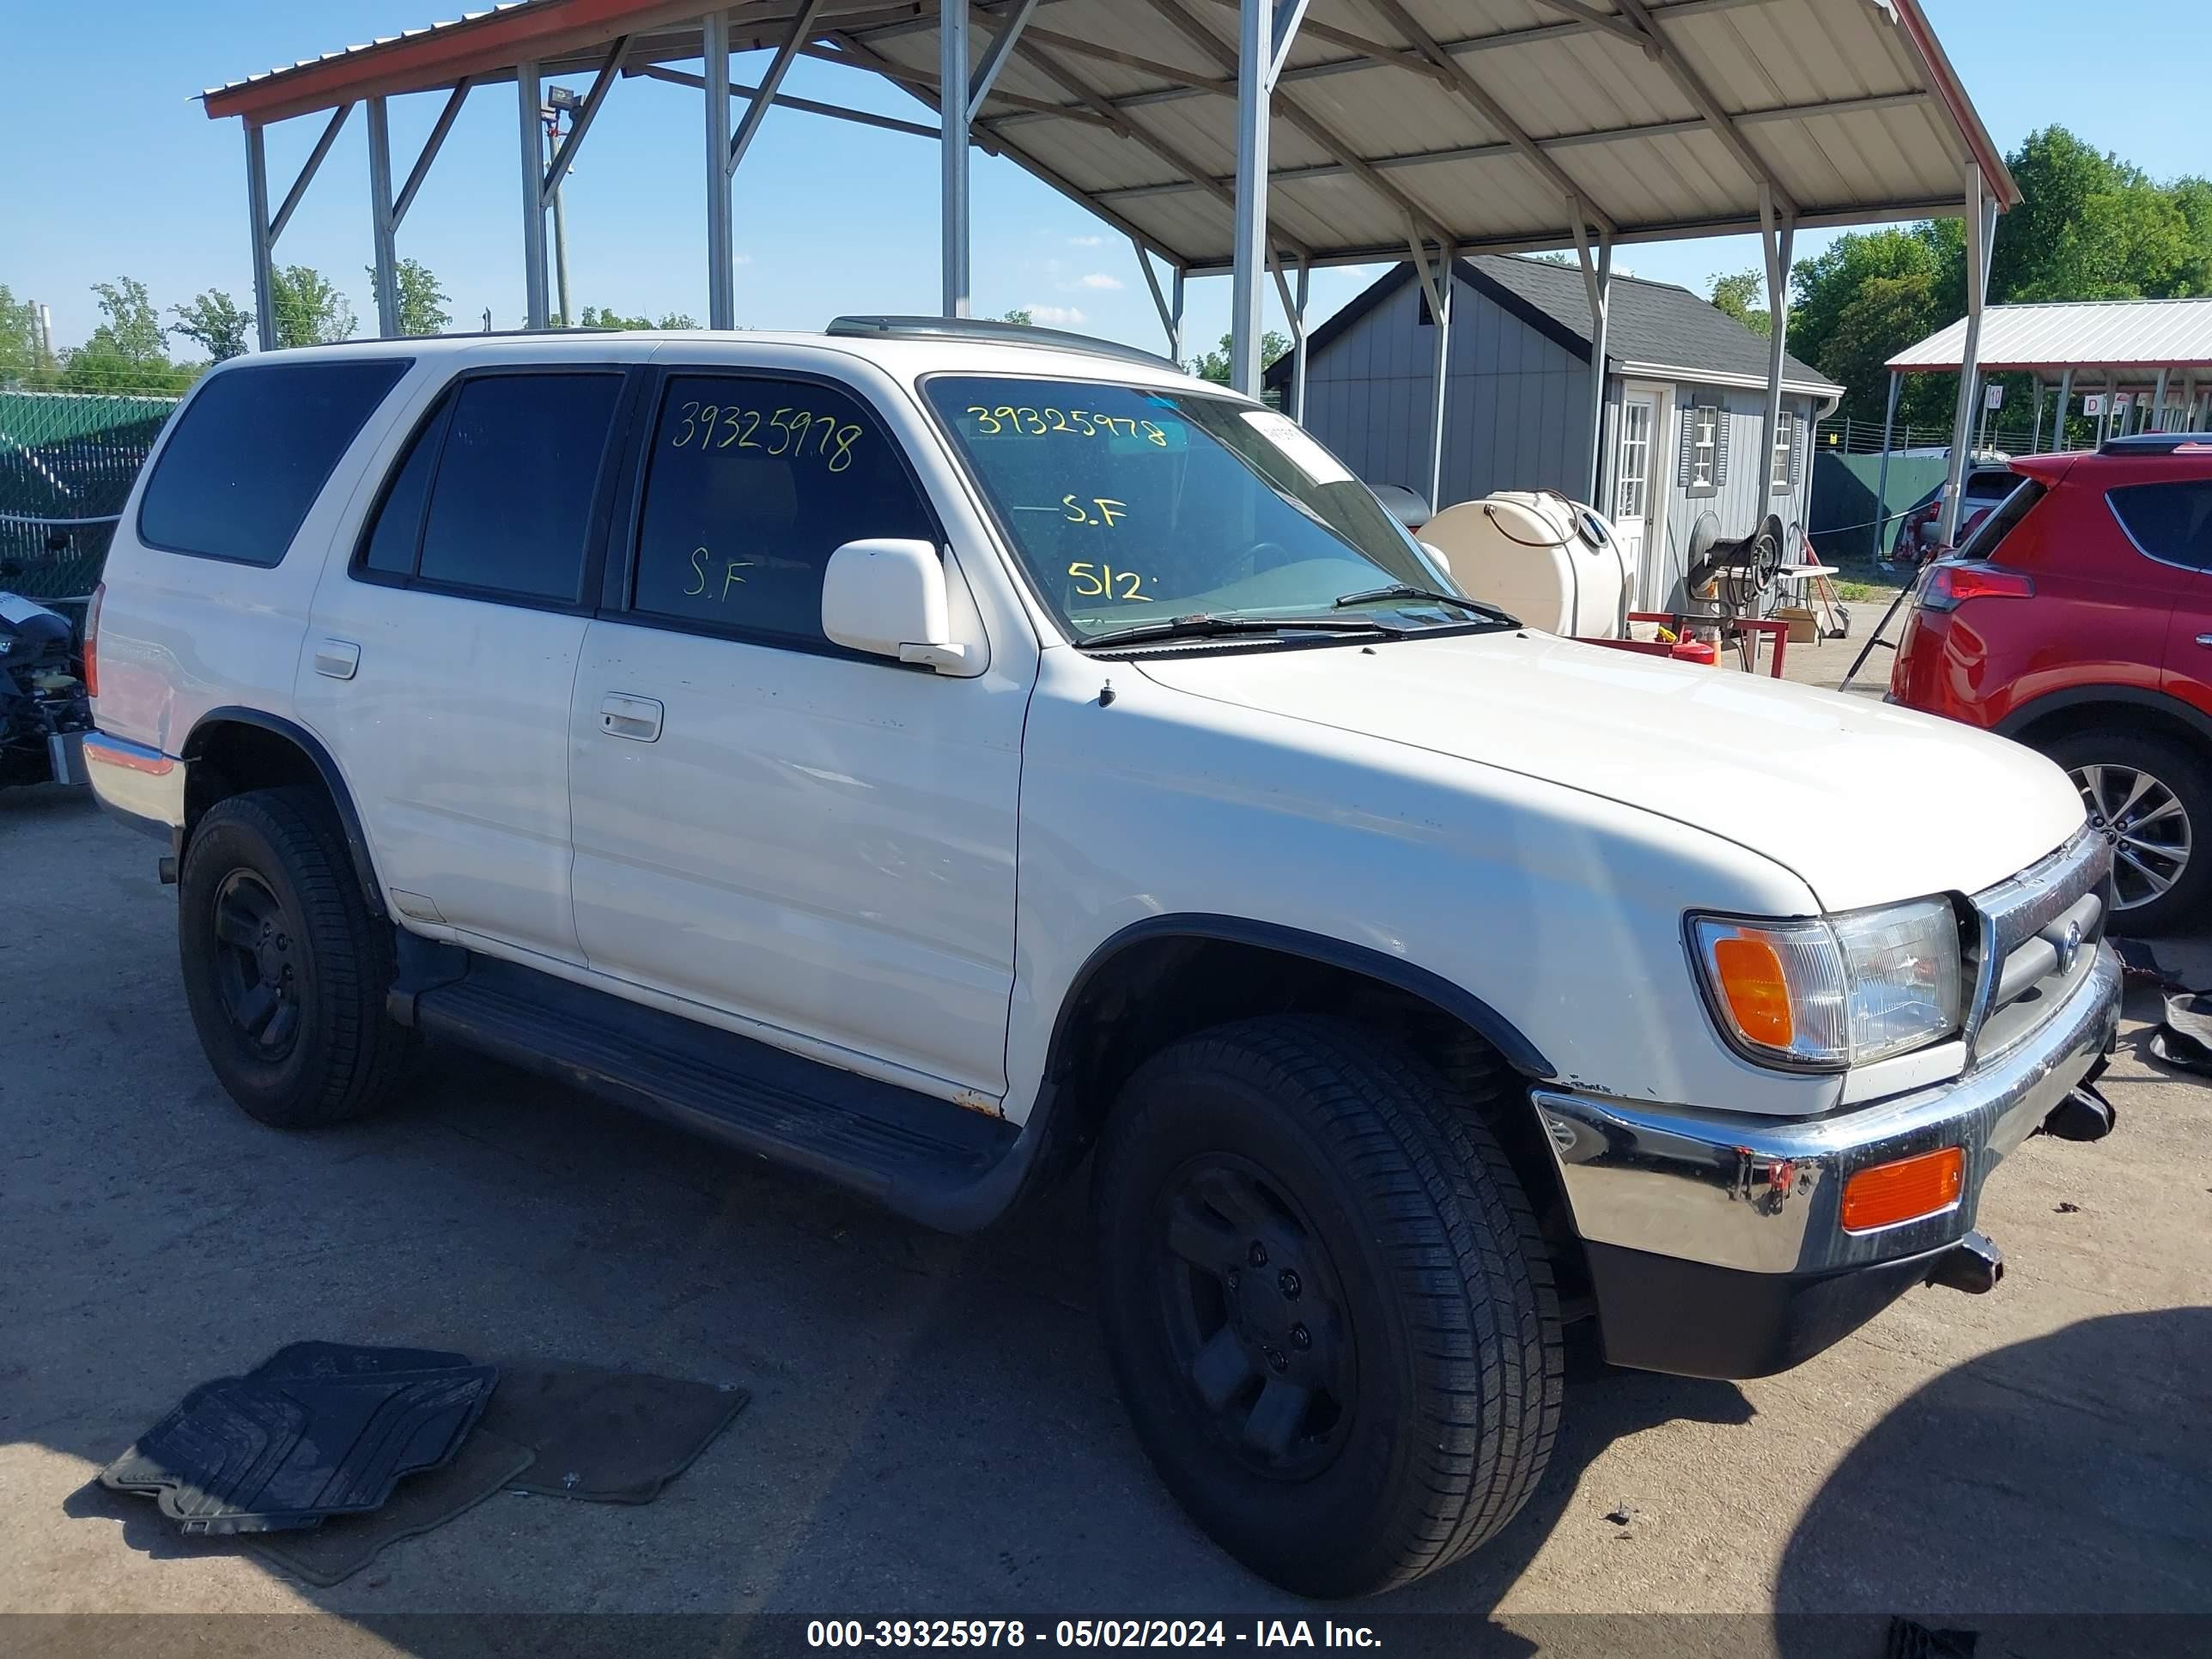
{"type": "Point", "coordinates": [1763, 1195]}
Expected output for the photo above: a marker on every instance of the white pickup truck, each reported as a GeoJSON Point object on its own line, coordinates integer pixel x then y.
{"type": "Point", "coordinates": [922, 754]}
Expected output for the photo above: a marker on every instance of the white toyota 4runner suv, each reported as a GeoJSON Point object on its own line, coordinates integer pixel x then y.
{"type": "Point", "coordinates": [920, 755]}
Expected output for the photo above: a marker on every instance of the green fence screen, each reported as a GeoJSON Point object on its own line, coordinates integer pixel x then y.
{"type": "Point", "coordinates": [67, 460]}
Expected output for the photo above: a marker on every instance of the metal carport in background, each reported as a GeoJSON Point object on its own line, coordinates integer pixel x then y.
{"type": "Point", "coordinates": [2154, 354]}
{"type": "Point", "coordinates": [1256, 138]}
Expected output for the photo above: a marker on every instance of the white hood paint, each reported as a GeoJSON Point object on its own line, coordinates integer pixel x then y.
{"type": "Point", "coordinates": [1868, 804]}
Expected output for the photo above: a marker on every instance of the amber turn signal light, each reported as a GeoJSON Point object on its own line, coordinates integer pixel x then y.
{"type": "Point", "coordinates": [1904, 1191]}
{"type": "Point", "coordinates": [1751, 977]}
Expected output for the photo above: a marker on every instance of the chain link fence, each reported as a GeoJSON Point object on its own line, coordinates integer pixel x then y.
{"type": "Point", "coordinates": [67, 460]}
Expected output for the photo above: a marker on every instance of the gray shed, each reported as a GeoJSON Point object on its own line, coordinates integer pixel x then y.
{"type": "Point", "coordinates": [1684, 397]}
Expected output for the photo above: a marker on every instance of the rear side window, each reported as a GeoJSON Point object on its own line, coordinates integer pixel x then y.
{"type": "Point", "coordinates": [494, 494]}
{"type": "Point", "coordinates": [752, 485]}
{"type": "Point", "coordinates": [2171, 522]}
{"type": "Point", "coordinates": [252, 450]}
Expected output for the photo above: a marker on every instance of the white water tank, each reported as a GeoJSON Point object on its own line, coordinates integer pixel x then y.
{"type": "Point", "coordinates": [1554, 563]}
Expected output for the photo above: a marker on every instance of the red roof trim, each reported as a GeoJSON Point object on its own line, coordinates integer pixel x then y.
{"type": "Point", "coordinates": [1945, 81]}
{"type": "Point", "coordinates": [434, 57]}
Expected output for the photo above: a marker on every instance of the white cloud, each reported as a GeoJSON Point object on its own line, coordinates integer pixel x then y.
{"type": "Point", "coordinates": [1086, 242]}
{"type": "Point", "coordinates": [741, 259]}
{"type": "Point", "coordinates": [1054, 316]}
{"type": "Point", "coordinates": [1097, 279]}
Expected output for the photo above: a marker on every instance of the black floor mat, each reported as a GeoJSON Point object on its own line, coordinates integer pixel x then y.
{"type": "Point", "coordinates": [319, 1428]}
{"type": "Point", "coordinates": [607, 1436]}
{"type": "Point", "coordinates": [333, 1553]}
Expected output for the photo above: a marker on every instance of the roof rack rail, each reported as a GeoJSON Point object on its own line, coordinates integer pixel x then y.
{"type": "Point", "coordinates": [984, 330]}
{"type": "Point", "coordinates": [2154, 443]}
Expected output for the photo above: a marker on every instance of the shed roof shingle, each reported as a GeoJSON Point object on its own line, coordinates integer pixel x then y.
{"type": "Point", "coordinates": [1654, 324]}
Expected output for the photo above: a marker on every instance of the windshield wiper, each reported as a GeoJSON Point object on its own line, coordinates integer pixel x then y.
{"type": "Point", "coordinates": [1204, 624]}
{"type": "Point", "coordinates": [1407, 591]}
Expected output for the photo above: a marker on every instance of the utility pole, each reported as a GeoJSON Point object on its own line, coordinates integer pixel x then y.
{"type": "Point", "coordinates": [558, 99]}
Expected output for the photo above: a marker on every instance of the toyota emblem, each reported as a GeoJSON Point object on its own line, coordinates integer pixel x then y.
{"type": "Point", "coordinates": [2069, 947]}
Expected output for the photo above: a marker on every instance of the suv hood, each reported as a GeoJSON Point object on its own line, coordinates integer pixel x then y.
{"type": "Point", "coordinates": [1868, 804]}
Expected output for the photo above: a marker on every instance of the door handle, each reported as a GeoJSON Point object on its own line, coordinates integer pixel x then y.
{"type": "Point", "coordinates": [336, 660]}
{"type": "Point", "coordinates": [2204, 639]}
{"type": "Point", "coordinates": [636, 718]}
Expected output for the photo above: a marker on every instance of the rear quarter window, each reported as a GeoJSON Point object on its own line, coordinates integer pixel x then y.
{"type": "Point", "coordinates": [2171, 522]}
{"type": "Point", "coordinates": [251, 451]}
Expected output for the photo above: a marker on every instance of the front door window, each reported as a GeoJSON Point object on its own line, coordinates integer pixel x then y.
{"type": "Point", "coordinates": [1634, 499]}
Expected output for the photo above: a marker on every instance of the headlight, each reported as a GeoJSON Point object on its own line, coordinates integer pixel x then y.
{"type": "Point", "coordinates": [1839, 992]}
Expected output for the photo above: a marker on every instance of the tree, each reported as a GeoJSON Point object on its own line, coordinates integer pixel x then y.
{"type": "Point", "coordinates": [310, 310]}
{"type": "Point", "coordinates": [1870, 294]}
{"type": "Point", "coordinates": [213, 319]}
{"type": "Point", "coordinates": [604, 317]}
{"type": "Point", "coordinates": [1735, 293]}
{"type": "Point", "coordinates": [128, 350]}
{"type": "Point", "coordinates": [421, 300]}
{"type": "Point", "coordinates": [1214, 365]}
{"type": "Point", "coordinates": [1020, 315]}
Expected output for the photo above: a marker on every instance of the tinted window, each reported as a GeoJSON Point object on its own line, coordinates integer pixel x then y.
{"type": "Point", "coordinates": [752, 485]}
{"type": "Point", "coordinates": [252, 450]}
{"type": "Point", "coordinates": [2169, 521]}
{"type": "Point", "coordinates": [511, 507]}
{"type": "Point", "coordinates": [399, 528]}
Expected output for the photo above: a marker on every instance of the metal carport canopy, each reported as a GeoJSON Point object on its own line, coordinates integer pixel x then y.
{"type": "Point", "coordinates": [1473, 122]}
{"type": "Point", "coordinates": [1257, 134]}
{"type": "Point", "coordinates": [2094, 334]}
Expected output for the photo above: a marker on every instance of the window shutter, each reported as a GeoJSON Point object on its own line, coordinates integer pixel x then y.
{"type": "Point", "coordinates": [1721, 422]}
{"type": "Point", "coordinates": [1685, 445]}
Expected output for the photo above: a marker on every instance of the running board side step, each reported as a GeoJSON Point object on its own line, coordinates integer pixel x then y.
{"type": "Point", "coordinates": [915, 1154]}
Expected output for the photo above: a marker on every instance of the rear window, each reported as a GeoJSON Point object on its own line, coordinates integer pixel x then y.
{"type": "Point", "coordinates": [2171, 522]}
{"type": "Point", "coordinates": [1983, 543]}
{"type": "Point", "coordinates": [252, 450]}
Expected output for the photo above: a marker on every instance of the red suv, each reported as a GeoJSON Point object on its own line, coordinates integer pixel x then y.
{"type": "Point", "coordinates": [2078, 618]}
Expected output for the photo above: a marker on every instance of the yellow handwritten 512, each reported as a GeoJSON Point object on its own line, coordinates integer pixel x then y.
{"type": "Point", "coordinates": [1103, 581]}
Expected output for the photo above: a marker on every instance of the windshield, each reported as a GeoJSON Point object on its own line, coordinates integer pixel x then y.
{"type": "Point", "coordinates": [1131, 506]}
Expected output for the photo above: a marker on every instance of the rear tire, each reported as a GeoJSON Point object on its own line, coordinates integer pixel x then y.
{"type": "Point", "coordinates": [285, 969]}
{"type": "Point", "coordinates": [1327, 1302]}
{"type": "Point", "coordinates": [2165, 825]}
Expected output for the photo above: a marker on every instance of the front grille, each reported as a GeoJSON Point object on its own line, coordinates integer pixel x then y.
{"type": "Point", "coordinates": [2038, 934]}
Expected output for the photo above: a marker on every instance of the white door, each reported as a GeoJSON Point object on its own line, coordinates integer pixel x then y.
{"type": "Point", "coordinates": [815, 842]}
{"type": "Point", "coordinates": [1633, 473]}
{"type": "Point", "coordinates": [441, 657]}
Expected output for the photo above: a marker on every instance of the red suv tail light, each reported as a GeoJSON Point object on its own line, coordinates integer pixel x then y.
{"type": "Point", "coordinates": [1950, 586]}
{"type": "Point", "coordinates": [92, 640]}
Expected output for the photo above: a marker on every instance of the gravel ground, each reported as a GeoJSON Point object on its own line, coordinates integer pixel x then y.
{"type": "Point", "coordinates": [932, 1429]}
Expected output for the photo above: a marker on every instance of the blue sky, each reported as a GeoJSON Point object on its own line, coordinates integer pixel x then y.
{"type": "Point", "coordinates": [115, 171]}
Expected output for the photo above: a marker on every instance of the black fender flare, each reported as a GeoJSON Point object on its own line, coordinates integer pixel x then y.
{"type": "Point", "coordinates": [2091, 697]}
{"type": "Point", "coordinates": [1379, 965]}
{"type": "Point", "coordinates": [307, 744]}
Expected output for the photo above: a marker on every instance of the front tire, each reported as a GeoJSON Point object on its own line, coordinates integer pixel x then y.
{"type": "Point", "coordinates": [1327, 1302]}
{"type": "Point", "coordinates": [2156, 796]}
{"type": "Point", "coordinates": [285, 969]}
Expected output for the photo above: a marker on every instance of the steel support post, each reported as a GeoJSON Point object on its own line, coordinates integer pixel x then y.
{"type": "Point", "coordinates": [721, 270]}
{"type": "Point", "coordinates": [1778, 234]}
{"type": "Point", "coordinates": [952, 116]}
{"type": "Point", "coordinates": [528, 99]}
{"type": "Point", "coordinates": [2058, 415]}
{"type": "Point", "coordinates": [1440, 310]}
{"type": "Point", "coordinates": [257, 208]}
{"type": "Point", "coordinates": [1175, 306]}
{"type": "Point", "coordinates": [2158, 407]}
{"type": "Point", "coordinates": [1981, 231]}
{"type": "Point", "coordinates": [382, 231]}
{"type": "Point", "coordinates": [1597, 289]}
{"type": "Point", "coordinates": [2035, 432]}
{"type": "Point", "coordinates": [1881, 476]}
{"type": "Point", "coordinates": [1254, 90]}
{"type": "Point", "coordinates": [1298, 332]}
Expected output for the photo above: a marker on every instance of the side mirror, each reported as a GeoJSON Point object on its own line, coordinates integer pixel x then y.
{"type": "Point", "coordinates": [887, 597]}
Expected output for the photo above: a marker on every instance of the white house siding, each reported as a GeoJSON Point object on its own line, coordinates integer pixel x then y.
{"type": "Point", "coordinates": [1519, 416]}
